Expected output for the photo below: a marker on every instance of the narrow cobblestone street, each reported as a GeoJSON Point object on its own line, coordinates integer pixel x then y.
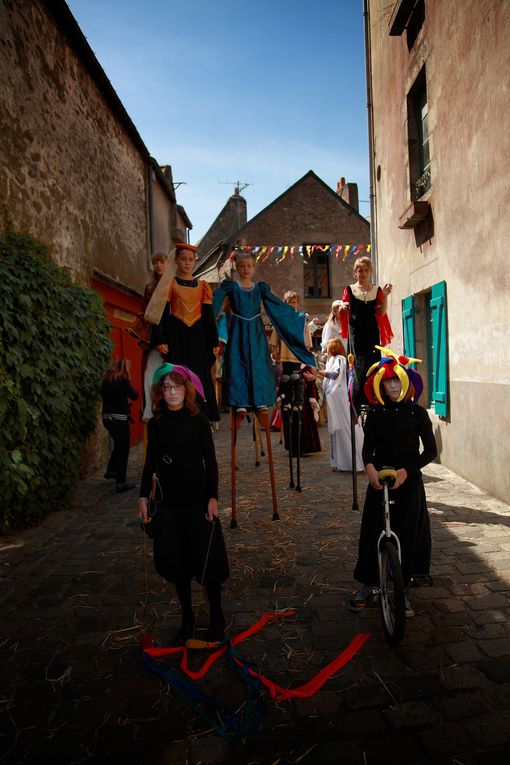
{"type": "Point", "coordinates": [74, 604]}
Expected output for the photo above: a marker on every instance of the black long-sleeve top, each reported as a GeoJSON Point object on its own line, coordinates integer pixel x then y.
{"type": "Point", "coordinates": [115, 395]}
{"type": "Point", "coordinates": [180, 450]}
{"type": "Point", "coordinates": [392, 437]}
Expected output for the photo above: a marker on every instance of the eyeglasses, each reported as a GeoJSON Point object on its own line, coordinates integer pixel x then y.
{"type": "Point", "coordinates": [173, 386]}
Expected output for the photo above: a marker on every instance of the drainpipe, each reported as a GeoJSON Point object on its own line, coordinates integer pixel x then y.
{"type": "Point", "coordinates": [370, 114]}
{"type": "Point", "coordinates": [149, 211]}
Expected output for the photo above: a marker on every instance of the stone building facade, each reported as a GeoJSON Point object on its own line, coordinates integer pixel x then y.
{"type": "Point", "coordinates": [439, 142]}
{"type": "Point", "coordinates": [74, 171]}
{"type": "Point", "coordinates": [308, 214]}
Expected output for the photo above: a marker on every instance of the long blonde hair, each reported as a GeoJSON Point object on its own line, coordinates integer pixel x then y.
{"type": "Point", "coordinates": [333, 318]}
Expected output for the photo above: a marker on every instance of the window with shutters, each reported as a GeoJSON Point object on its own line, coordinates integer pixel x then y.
{"type": "Point", "coordinates": [424, 319]}
{"type": "Point", "coordinates": [418, 137]}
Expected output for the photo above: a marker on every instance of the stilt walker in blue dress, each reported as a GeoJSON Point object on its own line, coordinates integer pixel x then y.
{"type": "Point", "coordinates": [248, 380]}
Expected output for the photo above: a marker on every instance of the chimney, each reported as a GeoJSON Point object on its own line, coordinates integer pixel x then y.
{"type": "Point", "coordinates": [340, 185]}
{"type": "Point", "coordinates": [348, 192]}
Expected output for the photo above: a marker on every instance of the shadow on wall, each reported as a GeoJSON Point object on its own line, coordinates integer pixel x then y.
{"type": "Point", "coordinates": [424, 231]}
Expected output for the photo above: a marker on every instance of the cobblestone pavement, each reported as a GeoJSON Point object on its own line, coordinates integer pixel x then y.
{"type": "Point", "coordinates": [74, 600]}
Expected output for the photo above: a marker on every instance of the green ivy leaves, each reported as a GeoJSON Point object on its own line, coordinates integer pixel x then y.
{"type": "Point", "coordinates": [54, 350]}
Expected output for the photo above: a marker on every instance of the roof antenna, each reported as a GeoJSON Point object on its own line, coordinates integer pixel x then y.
{"type": "Point", "coordinates": [239, 185]}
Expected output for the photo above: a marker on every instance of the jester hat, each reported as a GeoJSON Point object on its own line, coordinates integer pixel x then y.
{"type": "Point", "coordinates": [392, 365]}
{"type": "Point", "coordinates": [179, 369]}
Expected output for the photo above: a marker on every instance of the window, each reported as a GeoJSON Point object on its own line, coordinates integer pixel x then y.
{"type": "Point", "coordinates": [425, 337]}
{"type": "Point", "coordinates": [408, 15]}
{"type": "Point", "coordinates": [316, 270]}
{"type": "Point", "coordinates": [415, 23]}
{"type": "Point", "coordinates": [418, 137]}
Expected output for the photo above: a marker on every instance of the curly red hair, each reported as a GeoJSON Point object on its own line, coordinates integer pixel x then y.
{"type": "Point", "coordinates": [158, 402]}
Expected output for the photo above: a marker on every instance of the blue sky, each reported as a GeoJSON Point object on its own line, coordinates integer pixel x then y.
{"type": "Point", "coordinates": [230, 90]}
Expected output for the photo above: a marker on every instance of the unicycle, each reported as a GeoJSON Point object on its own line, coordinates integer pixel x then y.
{"type": "Point", "coordinates": [392, 594]}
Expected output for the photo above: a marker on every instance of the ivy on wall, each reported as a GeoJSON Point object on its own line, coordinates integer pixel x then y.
{"type": "Point", "coordinates": [54, 350]}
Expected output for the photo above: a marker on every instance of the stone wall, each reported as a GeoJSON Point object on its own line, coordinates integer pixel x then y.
{"type": "Point", "coordinates": [467, 59]}
{"type": "Point", "coordinates": [308, 213]}
{"type": "Point", "coordinates": [69, 172]}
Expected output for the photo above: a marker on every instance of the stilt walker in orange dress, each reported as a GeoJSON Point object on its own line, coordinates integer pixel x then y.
{"type": "Point", "coordinates": [186, 333]}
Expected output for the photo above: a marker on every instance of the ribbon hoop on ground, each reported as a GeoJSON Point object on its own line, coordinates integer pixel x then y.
{"type": "Point", "coordinates": [248, 673]}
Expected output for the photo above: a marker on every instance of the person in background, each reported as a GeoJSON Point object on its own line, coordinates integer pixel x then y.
{"type": "Point", "coordinates": [116, 393]}
{"type": "Point", "coordinates": [331, 328]}
{"type": "Point", "coordinates": [338, 410]}
{"type": "Point", "coordinates": [141, 330]}
{"type": "Point", "coordinates": [363, 319]}
{"type": "Point", "coordinates": [292, 388]}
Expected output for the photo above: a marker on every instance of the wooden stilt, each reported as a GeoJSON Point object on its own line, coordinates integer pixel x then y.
{"type": "Point", "coordinates": [355, 506]}
{"type": "Point", "coordinates": [259, 435]}
{"type": "Point", "coordinates": [289, 419]}
{"type": "Point", "coordinates": [255, 438]}
{"type": "Point", "coordinates": [233, 454]}
{"type": "Point", "coordinates": [263, 416]}
{"type": "Point", "coordinates": [298, 439]}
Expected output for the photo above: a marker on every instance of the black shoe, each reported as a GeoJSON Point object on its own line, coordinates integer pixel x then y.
{"type": "Point", "coordinates": [421, 580]}
{"type": "Point", "coordinates": [109, 474]}
{"type": "Point", "coordinates": [186, 630]}
{"type": "Point", "coordinates": [363, 598]}
{"type": "Point", "coordinates": [216, 630]}
{"type": "Point", "coordinates": [122, 487]}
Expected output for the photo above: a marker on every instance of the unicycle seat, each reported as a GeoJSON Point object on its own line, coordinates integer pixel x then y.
{"type": "Point", "coordinates": [387, 475]}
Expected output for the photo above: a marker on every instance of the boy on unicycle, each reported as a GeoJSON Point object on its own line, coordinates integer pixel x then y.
{"type": "Point", "coordinates": [396, 428]}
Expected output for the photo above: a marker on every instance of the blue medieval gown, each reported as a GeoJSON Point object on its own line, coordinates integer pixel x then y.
{"type": "Point", "coordinates": [248, 379]}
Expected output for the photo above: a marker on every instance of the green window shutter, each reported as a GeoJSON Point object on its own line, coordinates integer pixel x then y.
{"type": "Point", "coordinates": [408, 325]}
{"type": "Point", "coordinates": [439, 331]}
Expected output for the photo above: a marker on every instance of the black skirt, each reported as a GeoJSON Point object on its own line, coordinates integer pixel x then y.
{"type": "Point", "coordinates": [187, 545]}
{"type": "Point", "coordinates": [409, 520]}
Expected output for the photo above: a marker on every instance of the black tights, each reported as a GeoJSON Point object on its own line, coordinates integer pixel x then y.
{"type": "Point", "coordinates": [183, 587]}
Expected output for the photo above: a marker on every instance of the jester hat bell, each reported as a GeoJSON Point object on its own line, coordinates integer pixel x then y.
{"type": "Point", "coordinates": [392, 365]}
{"type": "Point", "coordinates": [179, 369]}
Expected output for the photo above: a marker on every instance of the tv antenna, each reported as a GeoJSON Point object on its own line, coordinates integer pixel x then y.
{"type": "Point", "coordinates": [239, 185]}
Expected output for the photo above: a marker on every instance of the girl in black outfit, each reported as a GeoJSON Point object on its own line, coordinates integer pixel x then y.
{"type": "Point", "coordinates": [394, 427]}
{"type": "Point", "coordinates": [116, 391]}
{"type": "Point", "coordinates": [186, 530]}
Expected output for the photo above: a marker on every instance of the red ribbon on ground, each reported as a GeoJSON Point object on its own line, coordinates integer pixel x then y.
{"type": "Point", "coordinates": [277, 692]}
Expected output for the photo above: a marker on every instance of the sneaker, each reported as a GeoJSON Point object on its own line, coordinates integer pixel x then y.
{"type": "Point", "coordinates": [410, 612]}
{"type": "Point", "coordinates": [363, 598]}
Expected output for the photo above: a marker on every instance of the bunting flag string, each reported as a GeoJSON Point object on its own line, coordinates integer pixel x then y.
{"type": "Point", "coordinates": [279, 252]}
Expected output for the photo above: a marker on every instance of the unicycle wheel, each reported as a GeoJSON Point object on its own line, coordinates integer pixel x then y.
{"type": "Point", "coordinates": [392, 598]}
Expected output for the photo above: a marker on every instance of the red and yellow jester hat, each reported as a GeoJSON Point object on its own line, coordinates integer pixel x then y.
{"type": "Point", "coordinates": [389, 366]}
